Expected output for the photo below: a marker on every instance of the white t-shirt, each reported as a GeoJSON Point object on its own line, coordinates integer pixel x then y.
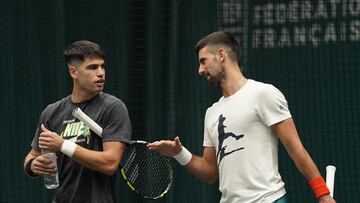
{"type": "Point", "coordinates": [239, 127]}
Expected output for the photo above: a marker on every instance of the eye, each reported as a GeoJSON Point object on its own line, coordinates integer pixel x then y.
{"type": "Point", "coordinates": [95, 66]}
{"type": "Point", "coordinates": [92, 66]}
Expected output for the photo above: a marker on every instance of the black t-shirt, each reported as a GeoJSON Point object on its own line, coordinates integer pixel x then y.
{"type": "Point", "coordinates": [78, 183]}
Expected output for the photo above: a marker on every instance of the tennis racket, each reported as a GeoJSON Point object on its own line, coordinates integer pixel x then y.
{"type": "Point", "coordinates": [145, 172]}
{"type": "Point", "coordinates": [330, 178]}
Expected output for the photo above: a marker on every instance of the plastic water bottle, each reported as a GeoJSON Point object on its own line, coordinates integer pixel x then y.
{"type": "Point", "coordinates": [51, 181]}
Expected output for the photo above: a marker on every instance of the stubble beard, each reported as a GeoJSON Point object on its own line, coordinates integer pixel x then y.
{"type": "Point", "coordinates": [215, 80]}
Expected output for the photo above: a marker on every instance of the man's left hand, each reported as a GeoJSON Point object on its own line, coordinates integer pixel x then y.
{"type": "Point", "coordinates": [50, 140]}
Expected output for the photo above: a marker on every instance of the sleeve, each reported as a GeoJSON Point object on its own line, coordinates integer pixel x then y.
{"type": "Point", "coordinates": [117, 126]}
{"type": "Point", "coordinates": [42, 120]}
{"type": "Point", "coordinates": [272, 106]}
{"type": "Point", "coordinates": [207, 139]}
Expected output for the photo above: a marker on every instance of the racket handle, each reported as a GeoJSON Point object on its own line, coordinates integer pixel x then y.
{"type": "Point", "coordinates": [330, 178]}
{"type": "Point", "coordinates": [78, 113]}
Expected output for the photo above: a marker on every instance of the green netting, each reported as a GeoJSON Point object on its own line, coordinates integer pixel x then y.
{"type": "Point", "coordinates": [308, 49]}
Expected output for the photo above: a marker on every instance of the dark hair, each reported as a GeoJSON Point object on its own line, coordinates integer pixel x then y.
{"type": "Point", "coordinates": [220, 38]}
{"type": "Point", "coordinates": [82, 49]}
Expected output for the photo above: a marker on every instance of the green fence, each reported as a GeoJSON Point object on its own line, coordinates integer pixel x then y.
{"type": "Point", "coordinates": [308, 49]}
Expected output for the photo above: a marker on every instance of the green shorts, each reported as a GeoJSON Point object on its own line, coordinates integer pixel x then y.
{"type": "Point", "coordinates": [281, 200]}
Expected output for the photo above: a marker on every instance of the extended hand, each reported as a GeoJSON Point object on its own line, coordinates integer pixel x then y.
{"type": "Point", "coordinates": [166, 147]}
{"type": "Point", "coordinates": [49, 140]}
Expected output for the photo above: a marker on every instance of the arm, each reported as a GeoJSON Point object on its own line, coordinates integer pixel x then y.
{"type": "Point", "coordinates": [287, 133]}
{"type": "Point", "coordinates": [106, 161]}
{"type": "Point", "coordinates": [289, 137]}
{"type": "Point", "coordinates": [204, 167]}
{"type": "Point", "coordinates": [32, 154]}
{"type": "Point", "coordinates": [40, 165]}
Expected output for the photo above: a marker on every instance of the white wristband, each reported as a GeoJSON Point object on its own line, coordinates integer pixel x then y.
{"type": "Point", "coordinates": [68, 148]}
{"type": "Point", "coordinates": [184, 156]}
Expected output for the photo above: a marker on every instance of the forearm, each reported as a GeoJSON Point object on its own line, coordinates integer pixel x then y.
{"type": "Point", "coordinates": [27, 159]}
{"type": "Point", "coordinates": [307, 167]}
{"type": "Point", "coordinates": [32, 154]}
{"type": "Point", "coordinates": [203, 169]}
{"type": "Point", "coordinates": [105, 161]}
{"type": "Point", "coordinates": [102, 161]}
{"type": "Point", "coordinates": [305, 164]}
{"type": "Point", "coordinates": [30, 157]}
{"type": "Point", "coordinates": [288, 135]}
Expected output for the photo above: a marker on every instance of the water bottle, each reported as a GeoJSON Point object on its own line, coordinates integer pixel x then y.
{"type": "Point", "coordinates": [51, 181]}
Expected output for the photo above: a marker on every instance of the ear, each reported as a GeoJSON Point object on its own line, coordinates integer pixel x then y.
{"type": "Point", "coordinates": [221, 55]}
{"type": "Point", "coordinates": [72, 71]}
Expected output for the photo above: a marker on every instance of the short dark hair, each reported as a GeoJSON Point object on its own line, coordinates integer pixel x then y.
{"type": "Point", "coordinates": [220, 38]}
{"type": "Point", "coordinates": [82, 49]}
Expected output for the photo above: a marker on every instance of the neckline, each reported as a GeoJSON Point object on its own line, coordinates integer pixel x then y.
{"type": "Point", "coordinates": [83, 102]}
{"type": "Point", "coordinates": [237, 92]}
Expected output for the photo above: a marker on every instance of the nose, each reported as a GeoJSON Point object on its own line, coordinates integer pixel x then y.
{"type": "Point", "coordinates": [100, 71]}
{"type": "Point", "coordinates": [201, 70]}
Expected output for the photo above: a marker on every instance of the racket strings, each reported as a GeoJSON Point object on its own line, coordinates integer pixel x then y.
{"type": "Point", "coordinates": [147, 171]}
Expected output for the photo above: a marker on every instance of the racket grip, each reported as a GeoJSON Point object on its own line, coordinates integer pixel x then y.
{"type": "Point", "coordinates": [78, 113]}
{"type": "Point", "coordinates": [330, 178]}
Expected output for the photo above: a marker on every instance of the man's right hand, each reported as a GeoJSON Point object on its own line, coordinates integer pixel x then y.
{"type": "Point", "coordinates": [166, 147]}
{"type": "Point", "coordinates": [41, 165]}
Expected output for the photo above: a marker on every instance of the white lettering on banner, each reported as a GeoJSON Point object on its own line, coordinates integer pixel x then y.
{"type": "Point", "coordinates": [355, 31]}
{"type": "Point", "coordinates": [354, 7]}
{"type": "Point", "coordinates": [297, 23]}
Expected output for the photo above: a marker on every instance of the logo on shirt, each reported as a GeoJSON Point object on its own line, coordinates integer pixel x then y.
{"type": "Point", "coordinates": [222, 137]}
{"type": "Point", "coordinates": [76, 132]}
